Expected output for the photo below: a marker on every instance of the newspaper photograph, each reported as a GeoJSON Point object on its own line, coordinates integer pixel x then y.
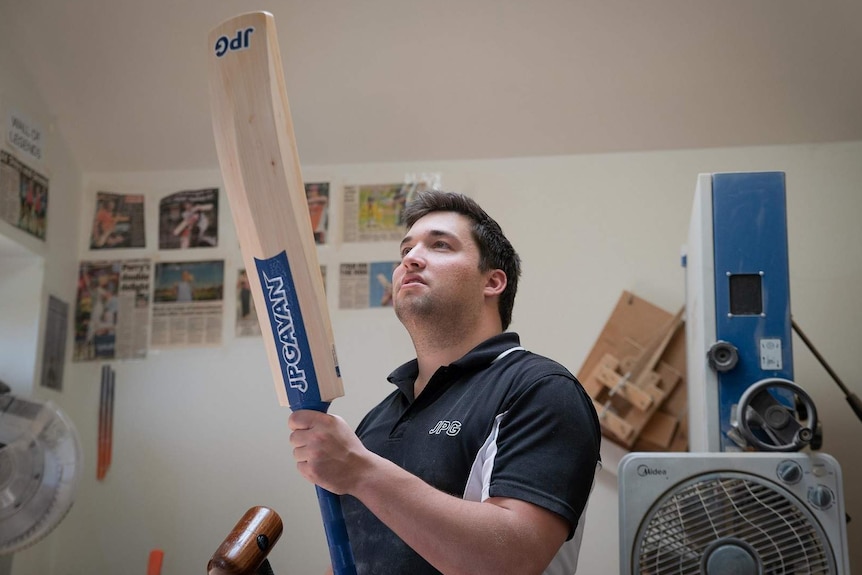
{"type": "Point", "coordinates": [372, 213]}
{"type": "Point", "coordinates": [188, 306]}
{"type": "Point", "coordinates": [23, 196]}
{"type": "Point", "coordinates": [189, 219]}
{"type": "Point", "coordinates": [118, 221]}
{"type": "Point", "coordinates": [365, 285]}
{"type": "Point", "coordinates": [112, 310]}
{"type": "Point", "coordinates": [317, 196]}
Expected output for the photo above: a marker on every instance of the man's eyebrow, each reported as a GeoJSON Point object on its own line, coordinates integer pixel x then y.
{"type": "Point", "coordinates": [432, 233]}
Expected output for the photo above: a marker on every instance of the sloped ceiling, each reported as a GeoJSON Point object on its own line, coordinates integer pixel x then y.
{"type": "Point", "coordinates": [395, 80]}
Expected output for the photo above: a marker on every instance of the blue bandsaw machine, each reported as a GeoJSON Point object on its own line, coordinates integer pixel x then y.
{"type": "Point", "coordinates": [738, 324]}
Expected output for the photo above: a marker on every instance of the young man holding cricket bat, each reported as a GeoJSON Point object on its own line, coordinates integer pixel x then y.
{"type": "Point", "coordinates": [482, 459]}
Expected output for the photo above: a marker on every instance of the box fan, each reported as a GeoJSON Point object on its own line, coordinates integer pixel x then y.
{"type": "Point", "coordinates": [722, 514]}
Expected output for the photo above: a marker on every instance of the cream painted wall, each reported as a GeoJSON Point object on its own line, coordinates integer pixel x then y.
{"type": "Point", "coordinates": [20, 310]}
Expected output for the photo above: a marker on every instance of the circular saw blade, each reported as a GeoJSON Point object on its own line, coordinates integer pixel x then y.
{"type": "Point", "coordinates": [40, 462]}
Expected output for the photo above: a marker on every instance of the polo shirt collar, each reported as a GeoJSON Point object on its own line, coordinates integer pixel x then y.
{"type": "Point", "coordinates": [480, 356]}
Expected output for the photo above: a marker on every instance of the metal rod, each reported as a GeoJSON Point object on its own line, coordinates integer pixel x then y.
{"type": "Point", "coordinates": [819, 357]}
{"type": "Point", "coordinates": [852, 398]}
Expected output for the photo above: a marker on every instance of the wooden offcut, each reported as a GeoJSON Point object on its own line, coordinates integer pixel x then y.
{"type": "Point", "coordinates": [635, 375]}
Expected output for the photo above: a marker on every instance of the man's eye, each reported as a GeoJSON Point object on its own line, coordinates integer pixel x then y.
{"type": "Point", "coordinates": [441, 244]}
{"type": "Point", "coordinates": [405, 251]}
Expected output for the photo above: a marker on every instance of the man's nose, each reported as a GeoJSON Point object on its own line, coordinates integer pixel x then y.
{"type": "Point", "coordinates": [414, 257]}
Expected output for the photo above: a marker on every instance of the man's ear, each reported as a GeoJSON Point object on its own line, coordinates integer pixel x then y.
{"type": "Point", "coordinates": [496, 283]}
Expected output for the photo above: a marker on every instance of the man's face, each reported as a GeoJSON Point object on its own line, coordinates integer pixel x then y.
{"type": "Point", "coordinates": [439, 276]}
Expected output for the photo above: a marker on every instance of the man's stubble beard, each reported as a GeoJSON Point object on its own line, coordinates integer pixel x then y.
{"type": "Point", "coordinates": [432, 320]}
{"type": "Point", "coordinates": [414, 309]}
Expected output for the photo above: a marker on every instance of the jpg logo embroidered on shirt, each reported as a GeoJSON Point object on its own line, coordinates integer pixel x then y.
{"type": "Point", "coordinates": [450, 428]}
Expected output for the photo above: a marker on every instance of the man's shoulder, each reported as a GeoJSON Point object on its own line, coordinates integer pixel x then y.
{"type": "Point", "coordinates": [537, 365]}
{"type": "Point", "coordinates": [506, 350]}
{"type": "Point", "coordinates": [533, 373]}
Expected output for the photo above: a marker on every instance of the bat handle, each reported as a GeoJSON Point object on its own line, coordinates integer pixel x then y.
{"type": "Point", "coordinates": [340, 553]}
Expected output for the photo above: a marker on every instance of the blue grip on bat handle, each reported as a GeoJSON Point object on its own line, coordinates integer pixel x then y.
{"type": "Point", "coordinates": [336, 533]}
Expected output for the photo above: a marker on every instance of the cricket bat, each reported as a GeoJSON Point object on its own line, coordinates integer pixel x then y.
{"type": "Point", "coordinates": [260, 166]}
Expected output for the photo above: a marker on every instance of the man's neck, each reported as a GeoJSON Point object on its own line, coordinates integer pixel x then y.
{"type": "Point", "coordinates": [436, 350]}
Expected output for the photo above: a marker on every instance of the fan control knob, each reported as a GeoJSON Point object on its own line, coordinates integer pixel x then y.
{"type": "Point", "coordinates": [789, 472]}
{"type": "Point", "coordinates": [821, 497]}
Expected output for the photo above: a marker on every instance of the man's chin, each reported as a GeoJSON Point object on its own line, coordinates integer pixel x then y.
{"type": "Point", "coordinates": [407, 308]}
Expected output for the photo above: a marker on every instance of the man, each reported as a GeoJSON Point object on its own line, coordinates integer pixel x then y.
{"type": "Point", "coordinates": [105, 225]}
{"type": "Point", "coordinates": [483, 458]}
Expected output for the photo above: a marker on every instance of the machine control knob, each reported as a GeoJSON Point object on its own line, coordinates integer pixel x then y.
{"type": "Point", "coordinates": [789, 472]}
{"type": "Point", "coordinates": [821, 497]}
{"type": "Point", "coordinates": [722, 356]}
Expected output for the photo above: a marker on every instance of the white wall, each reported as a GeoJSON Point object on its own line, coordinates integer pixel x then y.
{"type": "Point", "coordinates": [198, 436]}
{"type": "Point", "coordinates": [32, 269]}
{"type": "Point", "coordinates": [20, 325]}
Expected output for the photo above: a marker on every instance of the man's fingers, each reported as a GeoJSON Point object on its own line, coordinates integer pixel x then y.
{"type": "Point", "coordinates": [301, 419]}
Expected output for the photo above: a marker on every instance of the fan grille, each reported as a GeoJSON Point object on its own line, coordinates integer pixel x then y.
{"type": "Point", "coordinates": [682, 528]}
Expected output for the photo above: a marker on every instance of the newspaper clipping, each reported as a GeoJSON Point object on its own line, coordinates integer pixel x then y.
{"type": "Point", "coordinates": [111, 310]}
{"type": "Point", "coordinates": [246, 317]}
{"type": "Point", "coordinates": [23, 196]}
{"type": "Point", "coordinates": [188, 307]}
{"type": "Point", "coordinates": [189, 219]}
{"type": "Point", "coordinates": [317, 195]}
{"type": "Point", "coordinates": [365, 285]}
{"type": "Point", "coordinates": [118, 221]}
{"type": "Point", "coordinates": [372, 213]}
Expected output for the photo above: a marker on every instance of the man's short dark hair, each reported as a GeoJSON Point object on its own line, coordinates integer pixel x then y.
{"type": "Point", "coordinates": [495, 250]}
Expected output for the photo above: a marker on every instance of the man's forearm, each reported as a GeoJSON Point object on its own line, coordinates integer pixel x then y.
{"type": "Point", "coordinates": [456, 536]}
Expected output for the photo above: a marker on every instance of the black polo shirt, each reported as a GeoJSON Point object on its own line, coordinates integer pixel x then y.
{"type": "Point", "coordinates": [499, 422]}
